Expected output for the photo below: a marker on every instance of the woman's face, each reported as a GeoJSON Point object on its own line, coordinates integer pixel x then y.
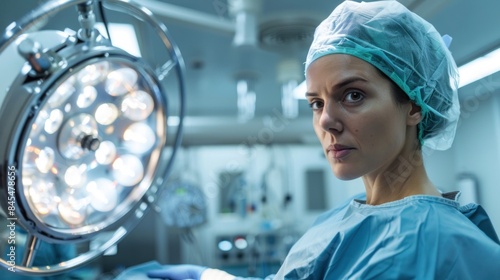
{"type": "Point", "coordinates": [355, 116]}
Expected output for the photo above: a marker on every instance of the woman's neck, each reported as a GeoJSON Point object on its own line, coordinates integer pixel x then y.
{"type": "Point", "coordinates": [404, 177]}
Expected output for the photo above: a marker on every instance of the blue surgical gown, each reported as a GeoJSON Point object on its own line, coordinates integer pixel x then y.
{"type": "Point", "coordinates": [418, 237]}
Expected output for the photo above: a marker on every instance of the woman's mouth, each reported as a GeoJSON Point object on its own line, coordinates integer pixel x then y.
{"type": "Point", "coordinates": [339, 151]}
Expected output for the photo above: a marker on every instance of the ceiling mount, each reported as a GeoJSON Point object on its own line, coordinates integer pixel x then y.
{"type": "Point", "coordinates": [287, 32]}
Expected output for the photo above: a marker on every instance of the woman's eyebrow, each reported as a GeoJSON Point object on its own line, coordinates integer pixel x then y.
{"type": "Point", "coordinates": [341, 84]}
{"type": "Point", "coordinates": [348, 81]}
{"type": "Point", "coordinates": [311, 94]}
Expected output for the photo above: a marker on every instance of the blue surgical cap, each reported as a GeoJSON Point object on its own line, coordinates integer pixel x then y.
{"type": "Point", "coordinates": [404, 47]}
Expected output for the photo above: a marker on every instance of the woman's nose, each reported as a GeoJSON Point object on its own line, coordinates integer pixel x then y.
{"type": "Point", "coordinates": [330, 119]}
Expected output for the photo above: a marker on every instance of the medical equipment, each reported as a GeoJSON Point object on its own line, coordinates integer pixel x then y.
{"type": "Point", "coordinates": [83, 146]}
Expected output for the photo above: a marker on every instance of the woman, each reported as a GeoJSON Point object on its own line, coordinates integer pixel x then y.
{"type": "Point", "coordinates": [381, 84]}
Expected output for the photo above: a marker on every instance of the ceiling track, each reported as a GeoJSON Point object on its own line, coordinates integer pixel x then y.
{"type": "Point", "coordinates": [425, 8]}
{"type": "Point", "coordinates": [189, 16]}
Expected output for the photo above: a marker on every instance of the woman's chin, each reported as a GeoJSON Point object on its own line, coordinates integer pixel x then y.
{"type": "Point", "coordinates": [345, 175]}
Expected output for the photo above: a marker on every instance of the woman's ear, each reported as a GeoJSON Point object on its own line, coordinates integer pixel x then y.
{"type": "Point", "coordinates": [414, 114]}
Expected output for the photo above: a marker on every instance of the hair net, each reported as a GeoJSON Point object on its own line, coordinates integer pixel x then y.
{"type": "Point", "coordinates": [404, 47]}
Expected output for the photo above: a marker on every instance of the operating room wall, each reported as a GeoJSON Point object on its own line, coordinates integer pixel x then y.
{"type": "Point", "coordinates": [440, 168]}
{"type": "Point", "coordinates": [477, 148]}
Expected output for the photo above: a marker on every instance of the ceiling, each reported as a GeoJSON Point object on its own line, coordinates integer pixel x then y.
{"type": "Point", "coordinates": [213, 62]}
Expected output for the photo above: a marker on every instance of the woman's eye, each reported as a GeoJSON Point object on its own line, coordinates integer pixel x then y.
{"type": "Point", "coordinates": [354, 96]}
{"type": "Point", "coordinates": [315, 105]}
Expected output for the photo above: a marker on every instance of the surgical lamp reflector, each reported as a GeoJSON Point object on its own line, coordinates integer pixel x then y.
{"type": "Point", "coordinates": [66, 151]}
{"type": "Point", "coordinates": [85, 135]}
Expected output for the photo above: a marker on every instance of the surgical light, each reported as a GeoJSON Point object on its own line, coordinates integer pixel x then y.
{"type": "Point", "coordinates": [137, 105]}
{"type": "Point", "coordinates": [105, 153]}
{"type": "Point", "coordinates": [106, 113]}
{"type": "Point", "coordinates": [83, 148]}
{"type": "Point", "coordinates": [86, 97]}
{"type": "Point", "coordinates": [139, 138]}
{"type": "Point", "coordinates": [103, 194]}
{"type": "Point", "coordinates": [479, 68]}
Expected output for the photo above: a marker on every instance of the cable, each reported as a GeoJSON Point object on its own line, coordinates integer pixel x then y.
{"type": "Point", "coordinates": [104, 20]}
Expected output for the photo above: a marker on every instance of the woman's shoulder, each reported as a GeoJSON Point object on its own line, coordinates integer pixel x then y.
{"type": "Point", "coordinates": [459, 239]}
{"type": "Point", "coordinates": [446, 217]}
{"type": "Point", "coordinates": [433, 234]}
{"type": "Point", "coordinates": [478, 216]}
{"type": "Point", "coordinates": [432, 215]}
{"type": "Point", "coordinates": [413, 217]}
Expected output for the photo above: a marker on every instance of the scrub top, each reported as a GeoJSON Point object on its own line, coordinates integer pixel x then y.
{"type": "Point", "coordinates": [418, 237]}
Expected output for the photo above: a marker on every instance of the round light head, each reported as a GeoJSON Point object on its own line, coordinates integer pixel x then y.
{"type": "Point", "coordinates": [92, 148]}
{"type": "Point", "coordinates": [84, 130]}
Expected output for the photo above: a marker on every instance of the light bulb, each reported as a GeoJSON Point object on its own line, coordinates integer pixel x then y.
{"type": "Point", "coordinates": [225, 245]}
{"type": "Point", "coordinates": [121, 81]}
{"type": "Point", "coordinates": [75, 175]}
{"type": "Point", "coordinates": [106, 153]}
{"type": "Point", "coordinates": [54, 121]}
{"type": "Point", "coordinates": [106, 113]}
{"type": "Point", "coordinates": [139, 138]}
{"type": "Point", "coordinates": [45, 159]}
{"type": "Point", "coordinates": [73, 206]}
{"type": "Point", "coordinates": [71, 214]}
{"type": "Point", "coordinates": [128, 170]}
{"type": "Point", "coordinates": [93, 73]}
{"type": "Point", "coordinates": [87, 97]}
{"type": "Point", "coordinates": [77, 198]}
{"type": "Point", "coordinates": [103, 195]}
{"type": "Point", "coordinates": [240, 243]}
{"type": "Point", "coordinates": [42, 194]}
{"type": "Point", "coordinates": [137, 105]}
{"type": "Point", "coordinates": [30, 156]}
{"type": "Point", "coordinates": [62, 93]}
{"type": "Point", "coordinates": [39, 123]}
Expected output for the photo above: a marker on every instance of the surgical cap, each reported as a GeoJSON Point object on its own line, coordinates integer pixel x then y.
{"type": "Point", "coordinates": [404, 47]}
